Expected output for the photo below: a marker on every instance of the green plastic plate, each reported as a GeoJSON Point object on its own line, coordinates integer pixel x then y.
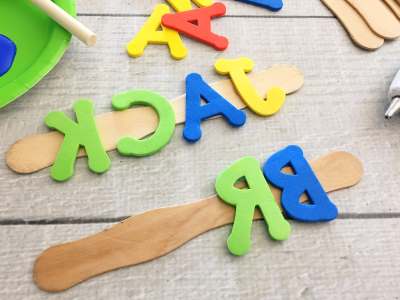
{"type": "Point", "coordinates": [40, 45]}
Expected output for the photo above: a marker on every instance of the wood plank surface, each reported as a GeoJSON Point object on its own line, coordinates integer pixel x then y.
{"type": "Point", "coordinates": [346, 259]}
{"type": "Point", "coordinates": [341, 107]}
{"type": "Point", "coordinates": [346, 85]}
{"type": "Point", "coordinates": [234, 8]}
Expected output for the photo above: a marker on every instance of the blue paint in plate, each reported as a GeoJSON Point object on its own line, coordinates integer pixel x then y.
{"type": "Point", "coordinates": [8, 50]}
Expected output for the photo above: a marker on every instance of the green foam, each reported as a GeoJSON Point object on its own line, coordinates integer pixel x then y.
{"type": "Point", "coordinates": [258, 194]}
{"type": "Point", "coordinates": [131, 146]}
{"type": "Point", "coordinates": [40, 41]}
{"type": "Point", "coordinates": [81, 133]}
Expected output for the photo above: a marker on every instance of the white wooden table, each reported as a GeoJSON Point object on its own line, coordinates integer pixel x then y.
{"type": "Point", "coordinates": [341, 107]}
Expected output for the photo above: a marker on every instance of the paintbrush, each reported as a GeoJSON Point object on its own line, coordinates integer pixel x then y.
{"type": "Point", "coordinates": [68, 22]}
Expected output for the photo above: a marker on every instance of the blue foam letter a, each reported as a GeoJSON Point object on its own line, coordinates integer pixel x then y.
{"type": "Point", "coordinates": [197, 89]}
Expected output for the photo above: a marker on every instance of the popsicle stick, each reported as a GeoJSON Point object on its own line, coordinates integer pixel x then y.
{"type": "Point", "coordinates": [378, 16]}
{"type": "Point", "coordinates": [156, 233]}
{"type": "Point", "coordinates": [36, 152]}
{"type": "Point", "coordinates": [354, 24]}
{"type": "Point", "coordinates": [65, 20]}
{"type": "Point", "coordinates": [394, 6]}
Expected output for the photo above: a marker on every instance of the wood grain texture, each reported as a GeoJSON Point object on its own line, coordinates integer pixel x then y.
{"type": "Point", "coordinates": [394, 6]}
{"type": "Point", "coordinates": [379, 17]}
{"type": "Point", "coordinates": [234, 8]}
{"type": "Point", "coordinates": [156, 233]}
{"type": "Point", "coordinates": [37, 152]}
{"type": "Point", "coordinates": [354, 24]}
{"type": "Point", "coordinates": [339, 108]}
{"type": "Point", "coordinates": [345, 259]}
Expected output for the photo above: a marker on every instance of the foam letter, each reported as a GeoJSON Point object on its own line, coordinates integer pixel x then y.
{"type": "Point", "coordinates": [273, 5]}
{"type": "Point", "coordinates": [184, 5]}
{"type": "Point", "coordinates": [149, 34]}
{"type": "Point", "coordinates": [293, 186]}
{"type": "Point", "coordinates": [81, 133]}
{"type": "Point", "coordinates": [258, 194]}
{"type": "Point", "coordinates": [133, 147]}
{"type": "Point", "coordinates": [237, 69]}
{"type": "Point", "coordinates": [196, 24]}
{"type": "Point", "coordinates": [197, 89]}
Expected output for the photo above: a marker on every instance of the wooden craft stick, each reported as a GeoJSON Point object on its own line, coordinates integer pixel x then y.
{"type": "Point", "coordinates": [158, 232]}
{"type": "Point", "coordinates": [67, 21]}
{"type": "Point", "coordinates": [37, 152]}
{"type": "Point", "coordinates": [394, 6]}
{"type": "Point", "coordinates": [378, 16]}
{"type": "Point", "coordinates": [354, 24]}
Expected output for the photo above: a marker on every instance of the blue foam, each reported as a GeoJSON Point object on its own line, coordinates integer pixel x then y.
{"type": "Point", "coordinates": [294, 185]}
{"type": "Point", "coordinates": [197, 89]}
{"type": "Point", "coordinates": [8, 50]}
{"type": "Point", "coordinates": [273, 5]}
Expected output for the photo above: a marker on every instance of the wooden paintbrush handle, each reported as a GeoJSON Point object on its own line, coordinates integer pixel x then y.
{"type": "Point", "coordinates": [66, 21]}
{"type": "Point", "coordinates": [39, 151]}
{"type": "Point", "coordinates": [155, 233]}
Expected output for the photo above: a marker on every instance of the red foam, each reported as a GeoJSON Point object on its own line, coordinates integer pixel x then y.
{"type": "Point", "coordinates": [196, 24]}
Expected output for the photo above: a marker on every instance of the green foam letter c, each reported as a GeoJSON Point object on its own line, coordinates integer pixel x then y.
{"type": "Point", "coordinates": [130, 146]}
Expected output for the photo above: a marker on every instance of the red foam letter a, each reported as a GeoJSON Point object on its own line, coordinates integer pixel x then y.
{"type": "Point", "coordinates": [196, 23]}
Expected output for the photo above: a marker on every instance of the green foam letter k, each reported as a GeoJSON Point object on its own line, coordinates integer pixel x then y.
{"type": "Point", "coordinates": [257, 194]}
{"type": "Point", "coordinates": [76, 134]}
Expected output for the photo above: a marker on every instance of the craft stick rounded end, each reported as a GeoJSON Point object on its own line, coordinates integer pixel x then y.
{"type": "Point", "coordinates": [358, 30]}
{"type": "Point", "coordinates": [292, 72]}
{"type": "Point", "coordinates": [340, 170]}
{"type": "Point", "coordinates": [28, 155]}
{"type": "Point", "coordinates": [44, 277]}
{"type": "Point", "coordinates": [13, 160]}
{"type": "Point", "coordinates": [355, 166]}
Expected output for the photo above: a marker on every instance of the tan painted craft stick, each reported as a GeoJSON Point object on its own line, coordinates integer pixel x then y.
{"type": "Point", "coordinates": [378, 16]}
{"type": "Point", "coordinates": [394, 6]}
{"type": "Point", "coordinates": [39, 151]}
{"type": "Point", "coordinates": [156, 233]}
{"type": "Point", "coordinates": [354, 24]}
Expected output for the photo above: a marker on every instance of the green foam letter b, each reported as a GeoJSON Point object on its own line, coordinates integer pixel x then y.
{"type": "Point", "coordinates": [81, 133]}
{"type": "Point", "coordinates": [257, 194]}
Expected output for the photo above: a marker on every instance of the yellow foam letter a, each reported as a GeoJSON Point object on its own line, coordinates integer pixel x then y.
{"type": "Point", "coordinates": [237, 69]}
{"type": "Point", "coordinates": [149, 34]}
{"type": "Point", "coordinates": [184, 5]}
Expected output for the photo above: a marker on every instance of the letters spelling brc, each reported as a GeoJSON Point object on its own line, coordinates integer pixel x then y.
{"type": "Point", "coordinates": [84, 132]}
